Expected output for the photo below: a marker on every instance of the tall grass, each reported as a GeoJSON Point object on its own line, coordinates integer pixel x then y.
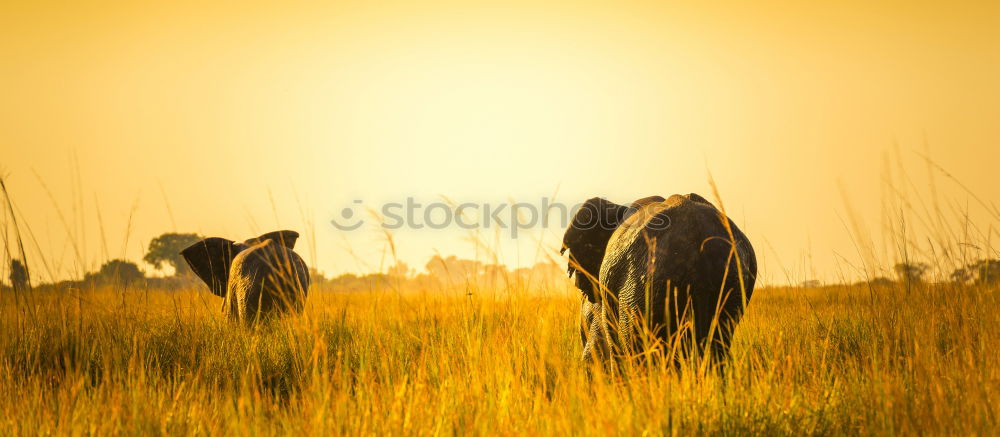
{"type": "Point", "coordinates": [805, 361]}
{"type": "Point", "coordinates": [877, 357]}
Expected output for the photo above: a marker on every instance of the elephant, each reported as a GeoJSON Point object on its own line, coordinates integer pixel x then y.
{"type": "Point", "coordinates": [257, 278]}
{"type": "Point", "coordinates": [658, 273]}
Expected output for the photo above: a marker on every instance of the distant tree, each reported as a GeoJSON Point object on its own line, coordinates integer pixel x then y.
{"type": "Point", "coordinates": [453, 270]}
{"type": "Point", "coordinates": [811, 283]}
{"type": "Point", "coordinates": [400, 270]}
{"type": "Point", "coordinates": [494, 270]}
{"type": "Point", "coordinates": [350, 282]}
{"type": "Point", "coordinates": [911, 272]}
{"type": "Point", "coordinates": [346, 280]}
{"type": "Point", "coordinates": [18, 275]}
{"type": "Point", "coordinates": [881, 281]}
{"type": "Point", "coordinates": [116, 272]}
{"type": "Point", "coordinates": [316, 277]}
{"type": "Point", "coordinates": [878, 281]}
{"type": "Point", "coordinates": [166, 249]}
{"type": "Point", "coordinates": [960, 276]}
{"type": "Point", "coordinates": [987, 271]}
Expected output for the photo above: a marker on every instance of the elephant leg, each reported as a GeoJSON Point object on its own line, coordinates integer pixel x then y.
{"type": "Point", "coordinates": [596, 348]}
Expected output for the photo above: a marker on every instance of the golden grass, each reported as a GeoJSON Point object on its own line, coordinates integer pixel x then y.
{"type": "Point", "coordinates": [805, 361]}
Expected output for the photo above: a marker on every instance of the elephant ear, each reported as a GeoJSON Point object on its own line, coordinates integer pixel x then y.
{"type": "Point", "coordinates": [587, 239]}
{"type": "Point", "coordinates": [210, 259]}
{"type": "Point", "coordinates": [284, 238]}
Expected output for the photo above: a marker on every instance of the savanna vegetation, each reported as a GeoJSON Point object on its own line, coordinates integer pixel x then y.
{"type": "Point", "coordinates": [829, 360]}
{"type": "Point", "coordinates": [474, 349]}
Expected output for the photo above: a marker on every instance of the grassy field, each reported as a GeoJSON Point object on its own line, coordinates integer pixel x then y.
{"type": "Point", "coordinates": [835, 360]}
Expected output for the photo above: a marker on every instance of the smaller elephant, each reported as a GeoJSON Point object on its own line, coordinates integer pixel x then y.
{"type": "Point", "coordinates": [257, 278]}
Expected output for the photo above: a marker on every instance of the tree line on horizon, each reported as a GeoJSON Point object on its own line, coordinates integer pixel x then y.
{"type": "Point", "coordinates": [984, 271]}
{"type": "Point", "coordinates": [164, 252]}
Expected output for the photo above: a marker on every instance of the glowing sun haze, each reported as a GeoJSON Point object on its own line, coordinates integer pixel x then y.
{"type": "Point", "coordinates": [244, 118]}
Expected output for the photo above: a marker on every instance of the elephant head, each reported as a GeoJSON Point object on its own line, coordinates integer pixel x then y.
{"type": "Point", "coordinates": [254, 276]}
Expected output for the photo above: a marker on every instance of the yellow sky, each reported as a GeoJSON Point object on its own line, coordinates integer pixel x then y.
{"type": "Point", "coordinates": [245, 118]}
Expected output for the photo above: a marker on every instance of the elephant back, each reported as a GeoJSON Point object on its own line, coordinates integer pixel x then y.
{"type": "Point", "coordinates": [671, 254]}
{"type": "Point", "coordinates": [631, 247]}
{"type": "Point", "coordinates": [266, 277]}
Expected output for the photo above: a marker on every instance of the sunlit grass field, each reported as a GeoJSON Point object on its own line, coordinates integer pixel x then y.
{"type": "Point", "coordinates": [884, 360]}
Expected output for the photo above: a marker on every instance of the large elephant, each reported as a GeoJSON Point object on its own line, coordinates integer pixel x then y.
{"type": "Point", "coordinates": [648, 269]}
{"type": "Point", "coordinates": [257, 278]}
